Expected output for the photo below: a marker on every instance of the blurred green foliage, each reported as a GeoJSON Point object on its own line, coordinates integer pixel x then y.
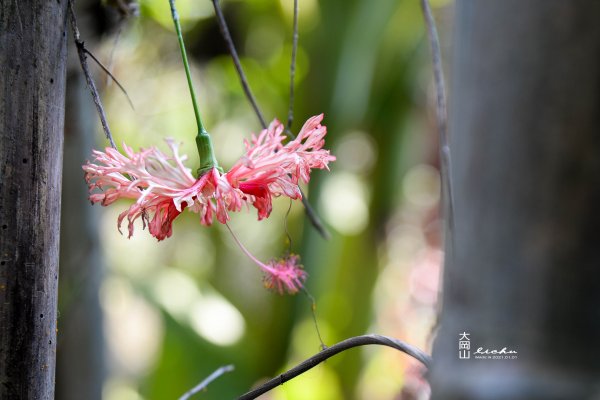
{"type": "Point", "coordinates": [179, 309]}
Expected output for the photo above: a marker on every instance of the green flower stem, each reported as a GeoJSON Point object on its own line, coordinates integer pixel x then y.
{"type": "Point", "coordinates": [203, 141]}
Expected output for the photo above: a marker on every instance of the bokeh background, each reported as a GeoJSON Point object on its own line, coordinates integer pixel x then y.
{"type": "Point", "coordinates": [141, 319]}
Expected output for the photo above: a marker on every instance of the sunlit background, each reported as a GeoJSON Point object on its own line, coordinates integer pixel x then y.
{"type": "Point", "coordinates": [174, 311]}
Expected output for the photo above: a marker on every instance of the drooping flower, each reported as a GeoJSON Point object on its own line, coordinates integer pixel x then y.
{"type": "Point", "coordinates": [163, 187]}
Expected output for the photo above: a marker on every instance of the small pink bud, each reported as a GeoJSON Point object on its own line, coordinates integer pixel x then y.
{"type": "Point", "coordinates": [285, 274]}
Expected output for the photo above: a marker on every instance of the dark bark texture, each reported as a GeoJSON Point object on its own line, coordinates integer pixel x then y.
{"type": "Point", "coordinates": [32, 93]}
{"type": "Point", "coordinates": [525, 140]}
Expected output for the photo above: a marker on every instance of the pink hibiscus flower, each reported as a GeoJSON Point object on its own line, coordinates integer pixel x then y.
{"type": "Point", "coordinates": [162, 186]}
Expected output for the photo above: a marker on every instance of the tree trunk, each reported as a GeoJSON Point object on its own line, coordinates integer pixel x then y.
{"type": "Point", "coordinates": [32, 93]}
{"type": "Point", "coordinates": [525, 274]}
{"type": "Point", "coordinates": [81, 360]}
{"type": "Point", "coordinates": [80, 364]}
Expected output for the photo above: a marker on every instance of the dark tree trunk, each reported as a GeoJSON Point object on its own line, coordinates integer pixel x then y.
{"type": "Point", "coordinates": [32, 93]}
{"type": "Point", "coordinates": [525, 139]}
{"type": "Point", "coordinates": [80, 363]}
{"type": "Point", "coordinates": [80, 366]}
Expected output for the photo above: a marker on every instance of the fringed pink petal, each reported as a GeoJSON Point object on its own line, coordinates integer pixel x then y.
{"type": "Point", "coordinates": [270, 169]}
{"type": "Point", "coordinates": [161, 225]}
{"type": "Point", "coordinates": [161, 185]}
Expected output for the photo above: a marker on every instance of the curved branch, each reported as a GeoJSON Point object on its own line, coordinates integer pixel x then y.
{"type": "Point", "coordinates": [333, 350]}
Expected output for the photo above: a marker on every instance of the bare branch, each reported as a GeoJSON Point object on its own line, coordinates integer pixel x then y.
{"type": "Point", "coordinates": [293, 68]}
{"type": "Point", "coordinates": [106, 70]}
{"type": "Point", "coordinates": [86, 71]}
{"type": "Point", "coordinates": [111, 57]}
{"type": "Point", "coordinates": [333, 350]}
{"type": "Point", "coordinates": [314, 219]}
{"type": "Point", "coordinates": [202, 385]}
{"type": "Point", "coordinates": [236, 61]}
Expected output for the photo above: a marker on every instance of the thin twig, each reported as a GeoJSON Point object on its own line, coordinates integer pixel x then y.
{"type": "Point", "coordinates": [202, 385]}
{"type": "Point", "coordinates": [314, 219]}
{"type": "Point", "coordinates": [110, 75]}
{"type": "Point", "coordinates": [113, 49]}
{"type": "Point", "coordinates": [313, 309]}
{"type": "Point", "coordinates": [236, 61]}
{"type": "Point", "coordinates": [442, 113]}
{"type": "Point", "coordinates": [310, 212]}
{"type": "Point", "coordinates": [333, 350]}
{"type": "Point", "coordinates": [86, 71]}
{"type": "Point", "coordinates": [126, 10]}
{"type": "Point", "coordinates": [285, 227]}
{"type": "Point", "coordinates": [293, 67]}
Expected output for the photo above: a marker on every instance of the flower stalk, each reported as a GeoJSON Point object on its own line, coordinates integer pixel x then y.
{"type": "Point", "coordinates": [203, 140]}
{"type": "Point", "coordinates": [283, 275]}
